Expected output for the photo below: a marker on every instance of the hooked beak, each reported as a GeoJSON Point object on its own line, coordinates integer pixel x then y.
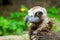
{"type": "Point", "coordinates": [26, 20]}
{"type": "Point", "coordinates": [31, 18]}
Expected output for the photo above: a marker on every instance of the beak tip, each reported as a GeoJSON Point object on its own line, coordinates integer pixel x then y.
{"type": "Point", "coordinates": [26, 19]}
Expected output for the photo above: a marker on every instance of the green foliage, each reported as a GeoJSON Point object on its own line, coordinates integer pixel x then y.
{"type": "Point", "coordinates": [17, 15]}
{"type": "Point", "coordinates": [53, 12]}
{"type": "Point", "coordinates": [15, 23]}
{"type": "Point", "coordinates": [24, 7]}
{"type": "Point", "coordinates": [56, 29]}
{"type": "Point", "coordinates": [8, 26]}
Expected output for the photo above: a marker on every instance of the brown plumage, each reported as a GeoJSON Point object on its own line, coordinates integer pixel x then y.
{"type": "Point", "coordinates": [40, 25]}
{"type": "Point", "coordinates": [45, 34]}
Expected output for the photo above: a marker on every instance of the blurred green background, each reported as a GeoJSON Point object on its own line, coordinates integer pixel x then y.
{"type": "Point", "coordinates": [14, 22]}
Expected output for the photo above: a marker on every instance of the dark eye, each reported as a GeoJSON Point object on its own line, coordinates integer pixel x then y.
{"type": "Point", "coordinates": [38, 13]}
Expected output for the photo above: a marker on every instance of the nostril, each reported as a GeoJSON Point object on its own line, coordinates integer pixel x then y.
{"type": "Point", "coordinates": [31, 16]}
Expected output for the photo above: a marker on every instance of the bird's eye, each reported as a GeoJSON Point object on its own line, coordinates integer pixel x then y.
{"type": "Point", "coordinates": [38, 13]}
